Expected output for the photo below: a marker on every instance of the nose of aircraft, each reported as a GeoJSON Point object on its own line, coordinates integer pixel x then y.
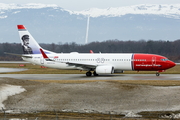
{"type": "Point", "coordinates": [171, 64]}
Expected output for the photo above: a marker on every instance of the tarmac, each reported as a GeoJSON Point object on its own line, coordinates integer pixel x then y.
{"type": "Point", "coordinates": [4, 70]}
{"type": "Point", "coordinates": [100, 77]}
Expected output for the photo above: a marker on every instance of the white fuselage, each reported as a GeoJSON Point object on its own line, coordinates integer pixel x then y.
{"type": "Point", "coordinates": [119, 61]}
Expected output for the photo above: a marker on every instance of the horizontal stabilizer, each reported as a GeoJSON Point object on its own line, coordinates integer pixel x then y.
{"type": "Point", "coordinates": [19, 55]}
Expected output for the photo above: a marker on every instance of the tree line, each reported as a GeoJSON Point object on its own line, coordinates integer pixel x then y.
{"type": "Point", "coordinates": [170, 49]}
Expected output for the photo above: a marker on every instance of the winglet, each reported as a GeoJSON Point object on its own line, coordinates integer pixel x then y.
{"type": "Point", "coordinates": [44, 55]}
{"type": "Point", "coordinates": [91, 51]}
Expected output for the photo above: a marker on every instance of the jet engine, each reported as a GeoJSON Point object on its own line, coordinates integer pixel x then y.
{"type": "Point", "coordinates": [105, 69]}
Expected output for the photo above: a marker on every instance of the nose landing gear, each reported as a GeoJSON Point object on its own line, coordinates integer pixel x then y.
{"type": "Point", "coordinates": [157, 74]}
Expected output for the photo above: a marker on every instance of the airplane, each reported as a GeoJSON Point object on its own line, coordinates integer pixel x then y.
{"type": "Point", "coordinates": [96, 63]}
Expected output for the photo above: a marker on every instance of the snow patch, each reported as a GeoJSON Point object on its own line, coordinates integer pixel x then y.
{"type": "Point", "coordinates": [164, 9]}
{"type": "Point", "coordinates": [16, 12]}
{"type": "Point", "coordinates": [177, 116]}
{"type": "Point", "coordinates": [2, 12]}
{"type": "Point", "coordinates": [9, 90]}
{"type": "Point", "coordinates": [132, 115]}
{"type": "Point", "coordinates": [28, 6]}
{"type": "Point", "coordinates": [3, 17]}
{"type": "Point", "coordinates": [171, 116]}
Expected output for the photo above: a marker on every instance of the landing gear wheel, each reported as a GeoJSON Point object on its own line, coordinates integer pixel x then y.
{"type": "Point", "coordinates": [95, 74]}
{"type": "Point", "coordinates": [88, 73]}
{"type": "Point", "coordinates": [157, 74]}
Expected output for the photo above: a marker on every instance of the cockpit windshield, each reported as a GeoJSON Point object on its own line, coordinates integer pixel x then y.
{"type": "Point", "coordinates": [164, 59]}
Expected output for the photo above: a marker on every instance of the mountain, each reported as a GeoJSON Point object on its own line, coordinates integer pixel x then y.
{"type": "Point", "coordinates": [170, 11]}
{"type": "Point", "coordinates": [53, 24]}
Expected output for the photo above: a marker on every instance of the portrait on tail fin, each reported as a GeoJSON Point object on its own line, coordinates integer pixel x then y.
{"type": "Point", "coordinates": [25, 45]}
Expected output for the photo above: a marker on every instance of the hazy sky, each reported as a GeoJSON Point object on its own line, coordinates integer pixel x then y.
{"type": "Point", "coordinates": [86, 4]}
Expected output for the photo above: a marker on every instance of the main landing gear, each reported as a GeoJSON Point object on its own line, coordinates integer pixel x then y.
{"type": "Point", "coordinates": [90, 74]}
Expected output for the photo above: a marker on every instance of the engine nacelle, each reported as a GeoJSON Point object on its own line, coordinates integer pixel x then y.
{"type": "Point", "coordinates": [105, 69]}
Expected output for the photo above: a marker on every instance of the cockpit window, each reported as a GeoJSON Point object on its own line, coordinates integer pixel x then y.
{"type": "Point", "coordinates": [164, 59]}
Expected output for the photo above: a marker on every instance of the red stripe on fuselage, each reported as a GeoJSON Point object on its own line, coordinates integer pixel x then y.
{"type": "Point", "coordinates": [150, 62]}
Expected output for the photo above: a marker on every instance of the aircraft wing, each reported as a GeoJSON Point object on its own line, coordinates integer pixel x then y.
{"type": "Point", "coordinates": [82, 65]}
{"type": "Point", "coordinates": [76, 64]}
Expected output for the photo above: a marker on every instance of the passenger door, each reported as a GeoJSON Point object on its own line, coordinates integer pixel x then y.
{"type": "Point", "coordinates": [42, 60]}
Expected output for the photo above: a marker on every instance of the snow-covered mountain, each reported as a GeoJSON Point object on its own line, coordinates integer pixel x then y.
{"type": "Point", "coordinates": [51, 23]}
{"type": "Point", "coordinates": [172, 10]}
{"type": "Point", "coordinates": [25, 6]}
{"type": "Point", "coordinates": [151, 9]}
{"type": "Point", "coordinates": [4, 8]}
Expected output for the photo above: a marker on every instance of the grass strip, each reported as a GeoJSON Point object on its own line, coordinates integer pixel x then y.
{"type": "Point", "coordinates": [134, 82]}
{"type": "Point", "coordinates": [36, 69]}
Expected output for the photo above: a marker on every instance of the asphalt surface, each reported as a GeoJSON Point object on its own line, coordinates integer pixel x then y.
{"type": "Point", "coordinates": [3, 70]}
{"type": "Point", "coordinates": [101, 77]}
{"type": "Point", "coordinates": [84, 77]}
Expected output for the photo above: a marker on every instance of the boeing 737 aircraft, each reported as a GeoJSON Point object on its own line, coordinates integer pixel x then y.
{"type": "Point", "coordinates": [98, 63]}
